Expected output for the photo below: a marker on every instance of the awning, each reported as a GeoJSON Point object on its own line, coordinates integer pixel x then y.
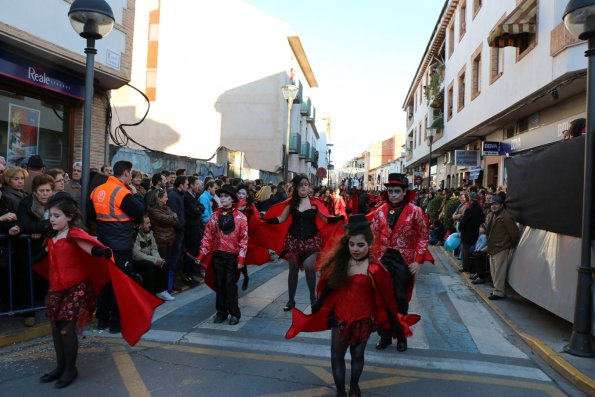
{"type": "Point", "coordinates": [521, 21]}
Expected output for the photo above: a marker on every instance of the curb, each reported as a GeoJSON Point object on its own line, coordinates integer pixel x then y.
{"type": "Point", "coordinates": [551, 357]}
{"type": "Point", "coordinates": [25, 334]}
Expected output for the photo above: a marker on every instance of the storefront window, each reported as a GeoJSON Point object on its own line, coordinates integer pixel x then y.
{"type": "Point", "coordinates": [33, 126]}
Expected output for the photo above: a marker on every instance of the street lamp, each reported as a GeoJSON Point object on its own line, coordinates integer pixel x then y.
{"type": "Point", "coordinates": [579, 18]}
{"type": "Point", "coordinates": [92, 20]}
{"type": "Point", "coordinates": [431, 134]}
{"type": "Point", "coordinates": [290, 91]}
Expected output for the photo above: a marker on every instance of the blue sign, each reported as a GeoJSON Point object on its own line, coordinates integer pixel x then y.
{"type": "Point", "coordinates": [29, 72]}
{"type": "Point", "coordinates": [474, 173]}
{"type": "Point", "coordinates": [491, 148]}
{"type": "Point", "coordinates": [466, 158]}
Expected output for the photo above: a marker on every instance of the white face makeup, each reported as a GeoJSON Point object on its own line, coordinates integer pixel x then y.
{"type": "Point", "coordinates": [58, 220]}
{"type": "Point", "coordinates": [395, 194]}
{"type": "Point", "coordinates": [226, 200]}
{"type": "Point", "coordinates": [242, 194]}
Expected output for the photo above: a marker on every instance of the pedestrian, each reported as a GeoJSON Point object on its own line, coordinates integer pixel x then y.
{"type": "Point", "coordinates": [145, 254]}
{"type": "Point", "coordinates": [73, 185]}
{"type": "Point", "coordinates": [76, 267]}
{"type": "Point", "coordinates": [503, 236]}
{"type": "Point", "coordinates": [401, 234]}
{"type": "Point", "coordinates": [302, 237]}
{"type": "Point", "coordinates": [354, 297]}
{"type": "Point", "coordinates": [247, 207]}
{"type": "Point", "coordinates": [480, 259]}
{"type": "Point", "coordinates": [116, 206]}
{"type": "Point", "coordinates": [193, 230]}
{"type": "Point", "coordinates": [469, 229]}
{"type": "Point", "coordinates": [226, 238]}
{"type": "Point", "coordinates": [35, 167]}
{"type": "Point", "coordinates": [176, 203]}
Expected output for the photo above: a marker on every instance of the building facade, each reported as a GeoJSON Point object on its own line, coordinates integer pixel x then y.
{"type": "Point", "coordinates": [42, 78]}
{"type": "Point", "coordinates": [497, 79]}
{"type": "Point", "coordinates": [212, 92]}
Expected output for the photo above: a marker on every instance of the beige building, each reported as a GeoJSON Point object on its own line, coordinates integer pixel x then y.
{"type": "Point", "coordinates": [212, 73]}
{"type": "Point", "coordinates": [498, 78]}
{"type": "Point", "coordinates": [42, 77]}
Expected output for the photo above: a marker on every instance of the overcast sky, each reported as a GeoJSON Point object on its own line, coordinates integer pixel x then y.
{"type": "Point", "coordinates": [364, 55]}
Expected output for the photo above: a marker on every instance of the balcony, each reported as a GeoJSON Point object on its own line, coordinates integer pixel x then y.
{"type": "Point", "coordinates": [305, 152]}
{"type": "Point", "coordinates": [310, 153]}
{"type": "Point", "coordinates": [305, 107]}
{"type": "Point", "coordinates": [295, 142]}
{"type": "Point", "coordinates": [311, 118]}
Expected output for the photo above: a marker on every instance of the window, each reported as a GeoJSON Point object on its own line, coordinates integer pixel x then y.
{"type": "Point", "coordinates": [419, 134]}
{"type": "Point", "coordinates": [462, 20]}
{"type": "Point", "coordinates": [496, 63]}
{"type": "Point", "coordinates": [461, 90]}
{"type": "Point", "coordinates": [449, 101]}
{"type": "Point", "coordinates": [527, 41]}
{"type": "Point", "coordinates": [476, 7]}
{"type": "Point", "coordinates": [415, 138]}
{"type": "Point", "coordinates": [451, 39]}
{"type": "Point", "coordinates": [426, 128]}
{"type": "Point", "coordinates": [476, 73]}
{"type": "Point", "coordinates": [510, 132]}
{"type": "Point", "coordinates": [523, 125]}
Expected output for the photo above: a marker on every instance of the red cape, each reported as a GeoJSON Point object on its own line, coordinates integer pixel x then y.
{"type": "Point", "coordinates": [135, 303]}
{"type": "Point", "coordinates": [386, 308]}
{"type": "Point", "coordinates": [272, 236]}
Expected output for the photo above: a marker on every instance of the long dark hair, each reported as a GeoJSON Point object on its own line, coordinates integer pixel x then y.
{"type": "Point", "coordinates": [70, 208]}
{"type": "Point", "coordinates": [295, 197]}
{"type": "Point", "coordinates": [337, 264]}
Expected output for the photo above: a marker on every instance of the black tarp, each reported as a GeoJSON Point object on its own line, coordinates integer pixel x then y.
{"type": "Point", "coordinates": [545, 187]}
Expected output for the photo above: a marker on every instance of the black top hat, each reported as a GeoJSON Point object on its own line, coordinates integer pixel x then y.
{"type": "Point", "coordinates": [357, 223]}
{"type": "Point", "coordinates": [35, 162]}
{"type": "Point", "coordinates": [497, 199]}
{"type": "Point", "coordinates": [228, 189]}
{"type": "Point", "coordinates": [396, 179]}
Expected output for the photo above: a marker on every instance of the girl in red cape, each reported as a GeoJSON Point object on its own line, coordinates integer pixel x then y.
{"type": "Point", "coordinates": [77, 267]}
{"type": "Point", "coordinates": [256, 255]}
{"type": "Point", "coordinates": [298, 229]}
{"type": "Point", "coordinates": [355, 297]}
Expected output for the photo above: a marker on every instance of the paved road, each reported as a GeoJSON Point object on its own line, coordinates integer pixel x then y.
{"type": "Point", "coordinates": [459, 349]}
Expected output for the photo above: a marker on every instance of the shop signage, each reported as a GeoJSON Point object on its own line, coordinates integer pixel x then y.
{"type": "Point", "coordinates": [30, 72]}
{"type": "Point", "coordinates": [490, 149]}
{"type": "Point", "coordinates": [466, 158]}
{"type": "Point", "coordinates": [474, 173]}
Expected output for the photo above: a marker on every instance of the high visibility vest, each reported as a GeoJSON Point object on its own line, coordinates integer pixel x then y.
{"type": "Point", "coordinates": [107, 199]}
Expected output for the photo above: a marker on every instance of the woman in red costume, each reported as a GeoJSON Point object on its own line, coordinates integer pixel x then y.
{"type": "Point", "coordinates": [78, 266]}
{"type": "Point", "coordinates": [305, 226]}
{"type": "Point", "coordinates": [355, 297]}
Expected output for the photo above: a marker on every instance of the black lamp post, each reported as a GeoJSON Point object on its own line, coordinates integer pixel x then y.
{"type": "Point", "coordinates": [92, 20]}
{"type": "Point", "coordinates": [328, 168]}
{"type": "Point", "coordinates": [431, 134]}
{"type": "Point", "coordinates": [579, 18]}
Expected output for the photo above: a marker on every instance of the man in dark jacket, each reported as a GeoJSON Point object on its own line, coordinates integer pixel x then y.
{"type": "Point", "coordinates": [193, 231]}
{"type": "Point", "coordinates": [503, 236]}
{"type": "Point", "coordinates": [116, 206]}
{"type": "Point", "coordinates": [469, 228]}
{"type": "Point", "coordinates": [175, 201]}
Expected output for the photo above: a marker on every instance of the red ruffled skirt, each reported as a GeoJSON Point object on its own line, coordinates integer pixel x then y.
{"type": "Point", "coordinates": [356, 332]}
{"type": "Point", "coordinates": [75, 303]}
{"type": "Point", "coordinates": [298, 250]}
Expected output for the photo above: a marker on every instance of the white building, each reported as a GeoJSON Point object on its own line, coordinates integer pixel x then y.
{"type": "Point", "coordinates": [213, 73]}
{"type": "Point", "coordinates": [506, 73]}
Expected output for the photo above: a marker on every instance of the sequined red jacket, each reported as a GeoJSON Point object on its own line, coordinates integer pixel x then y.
{"type": "Point", "coordinates": [235, 242]}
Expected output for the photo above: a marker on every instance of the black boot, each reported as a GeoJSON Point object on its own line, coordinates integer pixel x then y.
{"type": "Point", "coordinates": [70, 347]}
{"type": "Point", "coordinates": [401, 344]}
{"type": "Point", "coordinates": [383, 343]}
{"type": "Point", "coordinates": [56, 372]}
{"type": "Point", "coordinates": [245, 283]}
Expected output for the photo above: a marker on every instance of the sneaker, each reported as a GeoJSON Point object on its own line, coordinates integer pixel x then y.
{"type": "Point", "coordinates": [164, 295]}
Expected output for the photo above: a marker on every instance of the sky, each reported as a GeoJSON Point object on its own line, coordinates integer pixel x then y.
{"type": "Point", "coordinates": [364, 55]}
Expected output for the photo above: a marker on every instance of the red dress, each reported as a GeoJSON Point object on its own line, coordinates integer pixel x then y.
{"type": "Point", "coordinates": [362, 304]}
{"type": "Point", "coordinates": [76, 277]}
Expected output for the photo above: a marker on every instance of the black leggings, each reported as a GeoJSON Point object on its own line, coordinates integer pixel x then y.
{"type": "Point", "coordinates": [338, 350]}
{"type": "Point", "coordinates": [292, 279]}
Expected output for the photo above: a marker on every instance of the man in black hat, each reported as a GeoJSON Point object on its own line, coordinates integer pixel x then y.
{"type": "Point", "coordinates": [226, 236]}
{"type": "Point", "coordinates": [401, 233]}
{"type": "Point", "coordinates": [35, 166]}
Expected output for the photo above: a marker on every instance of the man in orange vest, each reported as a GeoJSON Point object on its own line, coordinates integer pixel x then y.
{"type": "Point", "coordinates": [117, 207]}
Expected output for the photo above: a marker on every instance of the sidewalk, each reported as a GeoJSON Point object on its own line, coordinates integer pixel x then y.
{"type": "Point", "coordinates": [545, 333]}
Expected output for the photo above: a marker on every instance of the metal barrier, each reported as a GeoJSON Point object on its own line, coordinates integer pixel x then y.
{"type": "Point", "coordinates": [10, 243]}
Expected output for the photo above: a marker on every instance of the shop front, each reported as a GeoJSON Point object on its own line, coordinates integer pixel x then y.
{"type": "Point", "coordinates": [38, 103]}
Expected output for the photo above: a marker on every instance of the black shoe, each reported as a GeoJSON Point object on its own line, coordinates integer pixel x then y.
{"type": "Point", "coordinates": [401, 344]}
{"type": "Point", "coordinates": [219, 319]}
{"type": "Point", "coordinates": [290, 305]}
{"type": "Point", "coordinates": [115, 329]}
{"type": "Point", "coordinates": [245, 283]}
{"type": "Point", "coordinates": [102, 325]}
{"type": "Point", "coordinates": [493, 297]}
{"type": "Point", "coordinates": [233, 320]}
{"type": "Point", "coordinates": [188, 280]}
{"type": "Point", "coordinates": [197, 279]}
{"type": "Point", "coordinates": [383, 343]}
{"type": "Point", "coordinates": [478, 280]}
{"type": "Point", "coordinates": [51, 376]}
{"type": "Point", "coordinates": [473, 276]}
{"type": "Point", "coordinates": [354, 391]}
{"type": "Point", "coordinates": [62, 383]}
